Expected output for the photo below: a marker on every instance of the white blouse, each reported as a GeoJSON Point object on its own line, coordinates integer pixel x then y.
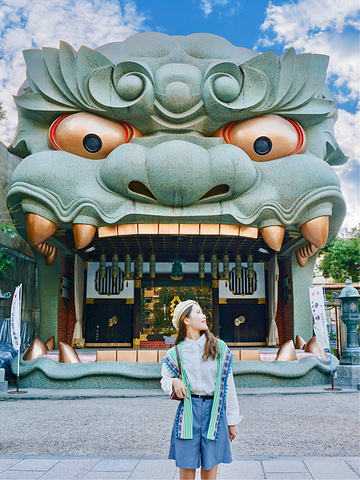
{"type": "Point", "coordinates": [202, 376]}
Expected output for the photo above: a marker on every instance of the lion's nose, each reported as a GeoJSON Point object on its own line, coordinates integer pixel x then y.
{"type": "Point", "coordinates": [178, 173]}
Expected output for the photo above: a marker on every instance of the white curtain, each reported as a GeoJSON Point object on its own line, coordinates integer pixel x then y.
{"type": "Point", "coordinates": [273, 282]}
{"type": "Point", "coordinates": [77, 340]}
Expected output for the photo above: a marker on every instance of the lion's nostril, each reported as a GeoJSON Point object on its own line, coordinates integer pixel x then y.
{"type": "Point", "coordinates": [216, 191]}
{"type": "Point", "coordinates": [140, 189]}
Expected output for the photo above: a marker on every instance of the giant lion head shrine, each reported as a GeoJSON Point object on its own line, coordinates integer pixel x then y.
{"type": "Point", "coordinates": [165, 168]}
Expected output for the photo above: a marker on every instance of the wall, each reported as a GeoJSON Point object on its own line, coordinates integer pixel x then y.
{"type": "Point", "coordinates": [24, 270]}
{"type": "Point", "coordinates": [284, 316]}
{"type": "Point", "coordinates": [66, 305]}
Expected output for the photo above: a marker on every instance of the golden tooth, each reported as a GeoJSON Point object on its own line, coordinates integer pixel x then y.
{"type": "Point", "coordinates": [50, 343]}
{"type": "Point", "coordinates": [316, 231]}
{"type": "Point", "coordinates": [109, 231]}
{"type": "Point", "coordinates": [67, 354]}
{"type": "Point", "coordinates": [249, 232]}
{"type": "Point", "coordinates": [36, 348]}
{"type": "Point", "coordinates": [83, 234]}
{"type": "Point", "coordinates": [313, 346]}
{"type": "Point", "coordinates": [50, 259]}
{"type": "Point", "coordinates": [39, 229]}
{"type": "Point", "coordinates": [273, 236]}
{"type": "Point", "coordinates": [286, 352]}
{"type": "Point", "coordinates": [299, 342]}
{"type": "Point", "coordinates": [302, 261]}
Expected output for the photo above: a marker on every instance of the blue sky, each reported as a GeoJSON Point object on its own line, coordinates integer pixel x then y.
{"type": "Point", "coordinates": [329, 27]}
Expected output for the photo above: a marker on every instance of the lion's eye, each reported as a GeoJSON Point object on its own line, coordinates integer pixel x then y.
{"type": "Point", "coordinates": [266, 138]}
{"type": "Point", "coordinates": [88, 135]}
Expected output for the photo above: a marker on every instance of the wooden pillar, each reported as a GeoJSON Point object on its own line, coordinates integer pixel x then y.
{"type": "Point", "coordinates": [215, 308]}
{"type": "Point", "coordinates": [136, 321]}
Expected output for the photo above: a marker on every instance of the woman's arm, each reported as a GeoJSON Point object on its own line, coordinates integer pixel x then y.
{"type": "Point", "coordinates": [168, 382]}
{"type": "Point", "coordinates": [232, 404]}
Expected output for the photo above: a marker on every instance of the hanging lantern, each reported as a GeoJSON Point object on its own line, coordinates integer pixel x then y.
{"type": "Point", "coordinates": [102, 269]}
{"type": "Point", "coordinates": [238, 272]}
{"type": "Point", "coordinates": [152, 265]}
{"type": "Point", "coordinates": [226, 268]}
{"type": "Point", "coordinates": [127, 267]}
{"type": "Point", "coordinates": [250, 266]}
{"type": "Point", "coordinates": [201, 265]}
{"type": "Point", "coordinates": [139, 266]}
{"type": "Point", "coordinates": [115, 266]}
{"type": "Point", "coordinates": [214, 267]}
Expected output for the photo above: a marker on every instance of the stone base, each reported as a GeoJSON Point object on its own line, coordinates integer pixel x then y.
{"type": "Point", "coordinates": [348, 376]}
{"type": "Point", "coordinates": [3, 382]}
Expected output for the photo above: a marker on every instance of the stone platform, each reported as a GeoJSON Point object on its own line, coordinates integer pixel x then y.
{"type": "Point", "coordinates": [46, 373]}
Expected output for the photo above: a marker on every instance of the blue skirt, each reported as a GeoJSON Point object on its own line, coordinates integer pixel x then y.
{"type": "Point", "coordinates": [200, 451]}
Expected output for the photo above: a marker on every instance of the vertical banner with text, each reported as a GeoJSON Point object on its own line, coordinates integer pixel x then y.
{"type": "Point", "coordinates": [319, 313]}
{"type": "Point", "coordinates": [15, 318]}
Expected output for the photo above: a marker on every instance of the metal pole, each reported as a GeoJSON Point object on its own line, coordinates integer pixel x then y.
{"type": "Point", "coordinates": [331, 368]}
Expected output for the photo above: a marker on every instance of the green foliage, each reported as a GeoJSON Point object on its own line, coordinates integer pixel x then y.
{"type": "Point", "coordinates": [341, 258]}
{"type": "Point", "coordinates": [5, 262]}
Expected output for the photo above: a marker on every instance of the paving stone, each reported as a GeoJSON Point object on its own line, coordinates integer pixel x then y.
{"type": "Point", "coordinates": [70, 469]}
{"type": "Point", "coordinates": [115, 465]}
{"type": "Point", "coordinates": [21, 475]}
{"type": "Point", "coordinates": [241, 470]}
{"type": "Point", "coordinates": [288, 476]}
{"type": "Point", "coordinates": [279, 466]}
{"type": "Point", "coordinates": [35, 464]}
{"type": "Point", "coordinates": [327, 469]}
{"type": "Point", "coordinates": [355, 464]}
{"type": "Point", "coordinates": [154, 469]}
{"type": "Point", "coordinates": [106, 475]}
{"type": "Point", "coordinates": [8, 462]}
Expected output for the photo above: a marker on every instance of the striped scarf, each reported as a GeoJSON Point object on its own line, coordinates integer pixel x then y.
{"type": "Point", "coordinates": [184, 416]}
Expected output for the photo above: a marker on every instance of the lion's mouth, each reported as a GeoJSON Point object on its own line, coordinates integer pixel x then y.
{"type": "Point", "coordinates": [210, 236]}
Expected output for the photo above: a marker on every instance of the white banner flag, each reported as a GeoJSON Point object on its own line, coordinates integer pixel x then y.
{"type": "Point", "coordinates": [318, 310]}
{"type": "Point", "coordinates": [15, 317]}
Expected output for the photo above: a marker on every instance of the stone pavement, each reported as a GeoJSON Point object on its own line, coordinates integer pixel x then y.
{"type": "Point", "coordinates": [67, 394]}
{"type": "Point", "coordinates": [242, 468]}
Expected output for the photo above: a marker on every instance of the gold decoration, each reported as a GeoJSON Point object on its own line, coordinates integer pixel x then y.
{"type": "Point", "coordinates": [36, 348]}
{"type": "Point", "coordinates": [136, 342]}
{"type": "Point", "coordinates": [67, 354]}
{"type": "Point", "coordinates": [130, 301]}
{"type": "Point", "coordinates": [173, 304]}
{"type": "Point", "coordinates": [215, 284]}
{"type": "Point", "coordinates": [261, 301]}
{"type": "Point", "coordinates": [286, 352]}
{"type": "Point", "coordinates": [222, 301]}
{"type": "Point", "coordinates": [152, 266]}
{"type": "Point", "coordinates": [201, 266]}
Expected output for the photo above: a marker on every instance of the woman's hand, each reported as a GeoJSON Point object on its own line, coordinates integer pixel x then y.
{"type": "Point", "coordinates": [233, 431]}
{"type": "Point", "coordinates": [180, 388]}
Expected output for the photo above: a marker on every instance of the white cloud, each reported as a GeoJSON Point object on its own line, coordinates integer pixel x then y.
{"type": "Point", "coordinates": [38, 23]}
{"type": "Point", "coordinates": [207, 6]}
{"type": "Point", "coordinates": [329, 27]}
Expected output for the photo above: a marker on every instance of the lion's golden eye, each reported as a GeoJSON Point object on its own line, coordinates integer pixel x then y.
{"type": "Point", "coordinates": [266, 138]}
{"type": "Point", "coordinates": [88, 135]}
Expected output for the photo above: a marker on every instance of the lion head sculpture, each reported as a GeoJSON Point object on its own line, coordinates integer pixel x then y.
{"type": "Point", "coordinates": [191, 130]}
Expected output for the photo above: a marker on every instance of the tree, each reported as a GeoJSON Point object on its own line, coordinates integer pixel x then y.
{"type": "Point", "coordinates": [341, 258]}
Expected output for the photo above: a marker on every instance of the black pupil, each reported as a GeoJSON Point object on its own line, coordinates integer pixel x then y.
{"type": "Point", "coordinates": [262, 145]}
{"type": "Point", "coordinates": [92, 143]}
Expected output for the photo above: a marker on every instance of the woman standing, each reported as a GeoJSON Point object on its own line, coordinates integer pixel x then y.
{"type": "Point", "coordinates": [208, 414]}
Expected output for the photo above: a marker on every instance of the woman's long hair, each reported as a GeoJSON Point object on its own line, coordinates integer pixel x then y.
{"type": "Point", "coordinates": [210, 349]}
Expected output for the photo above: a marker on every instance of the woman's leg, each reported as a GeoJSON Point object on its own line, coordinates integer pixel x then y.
{"type": "Point", "coordinates": [187, 473]}
{"type": "Point", "coordinates": [208, 474]}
